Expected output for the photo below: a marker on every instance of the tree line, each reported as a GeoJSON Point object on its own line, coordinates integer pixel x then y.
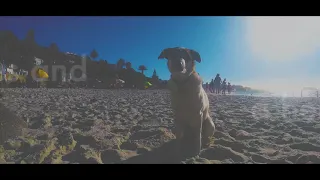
{"type": "Point", "coordinates": [99, 72]}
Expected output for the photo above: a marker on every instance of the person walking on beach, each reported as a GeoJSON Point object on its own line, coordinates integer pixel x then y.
{"type": "Point", "coordinates": [211, 86]}
{"type": "Point", "coordinates": [207, 87]}
{"type": "Point", "coordinates": [217, 83]}
{"type": "Point", "coordinates": [224, 86]}
{"type": "Point", "coordinates": [229, 88]}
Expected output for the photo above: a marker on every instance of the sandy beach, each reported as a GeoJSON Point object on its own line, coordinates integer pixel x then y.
{"type": "Point", "coordinates": [133, 126]}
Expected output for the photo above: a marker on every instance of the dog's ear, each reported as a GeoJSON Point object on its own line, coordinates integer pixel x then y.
{"type": "Point", "coordinates": [164, 53]}
{"type": "Point", "coordinates": [195, 55]}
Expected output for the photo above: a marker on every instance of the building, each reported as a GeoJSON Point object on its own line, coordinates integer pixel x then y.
{"type": "Point", "coordinates": [38, 61]}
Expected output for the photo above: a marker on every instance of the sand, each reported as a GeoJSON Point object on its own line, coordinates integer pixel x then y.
{"type": "Point", "coordinates": [133, 126]}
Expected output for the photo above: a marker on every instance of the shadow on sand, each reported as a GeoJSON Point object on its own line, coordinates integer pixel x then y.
{"type": "Point", "coordinates": [10, 124]}
{"type": "Point", "coordinates": [165, 154]}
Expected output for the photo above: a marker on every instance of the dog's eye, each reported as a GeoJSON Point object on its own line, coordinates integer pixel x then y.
{"type": "Point", "coordinates": [183, 63]}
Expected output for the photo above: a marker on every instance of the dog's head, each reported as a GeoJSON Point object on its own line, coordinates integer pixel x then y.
{"type": "Point", "coordinates": [181, 62]}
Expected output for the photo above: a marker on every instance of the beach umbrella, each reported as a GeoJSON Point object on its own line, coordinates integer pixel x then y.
{"type": "Point", "coordinates": [42, 74]}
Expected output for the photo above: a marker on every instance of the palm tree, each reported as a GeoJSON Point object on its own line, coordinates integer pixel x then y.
{"type": "Point", "coordinates": [94, 54]}
{"type": "Point", "coordinates": [142, 68]}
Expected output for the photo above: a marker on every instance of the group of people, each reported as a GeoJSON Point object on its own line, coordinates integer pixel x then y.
{"type": "Point", "coordinates": [218, 86]}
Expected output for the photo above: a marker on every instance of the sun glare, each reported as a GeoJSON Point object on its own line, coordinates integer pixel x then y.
{"type": "Point", "coordinates": [282, 38]}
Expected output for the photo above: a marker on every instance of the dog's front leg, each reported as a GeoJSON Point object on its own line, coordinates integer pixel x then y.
{"type": "Point", "coordinates": [178, 132]}
{"type": "Point", "coordinates": [192, 137]}
{"type": "Point", "coordinates": [208, 129]}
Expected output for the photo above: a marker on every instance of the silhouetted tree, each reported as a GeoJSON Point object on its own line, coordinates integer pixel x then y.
{"type": "Point", "coordinates": [30, 37]}
{"type": "Point", "coordinates": [54, 47]}
{"type": "Point", "coordinates": [128, 65]}
{"type": "Point", "coordinates": [94, 54]}
{"type": "Point", "coordinates": [23, 52]}
{"type": "Point", "coordinates": [120, 63]}
{"type": "Point", "coordinates": [142, 68]}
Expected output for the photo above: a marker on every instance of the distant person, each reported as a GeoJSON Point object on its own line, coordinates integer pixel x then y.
{"type": "Point", "coordinates": [211, 86]}
{"type": "Point", "coordinates": [207, 87]}
{"type": "Point", "coordinates": [229, 88]}
{"type": "Point", "coordinates": [224, 86]}
{"type": "Point", "coordinates": [217, 83]}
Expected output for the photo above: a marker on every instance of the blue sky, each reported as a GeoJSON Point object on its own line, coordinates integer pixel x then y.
{"type": "Point", "coordinates": [263, 52]}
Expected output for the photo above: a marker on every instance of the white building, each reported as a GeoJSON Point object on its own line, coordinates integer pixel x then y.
{"type": "Point", "coordinates": [38, 61]}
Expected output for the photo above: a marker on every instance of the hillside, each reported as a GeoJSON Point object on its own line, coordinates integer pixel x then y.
{"type": "Point", "coordinates": [99, 73]}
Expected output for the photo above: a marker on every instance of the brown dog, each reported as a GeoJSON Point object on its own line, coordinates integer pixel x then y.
{"type": "Point", "coordinates": [189, 101]}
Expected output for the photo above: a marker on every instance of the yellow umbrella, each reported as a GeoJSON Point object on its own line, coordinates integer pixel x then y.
{"type": "Point", "coordinates": [42, 74]}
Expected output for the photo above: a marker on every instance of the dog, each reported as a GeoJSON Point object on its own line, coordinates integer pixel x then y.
{"type": "Point", "coordinates": [193, 125]}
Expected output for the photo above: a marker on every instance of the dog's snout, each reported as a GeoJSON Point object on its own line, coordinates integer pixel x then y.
{"type": "Point", "coordinates": [178, 66]}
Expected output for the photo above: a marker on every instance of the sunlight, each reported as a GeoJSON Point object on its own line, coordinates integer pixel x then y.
{"type": "Point", "coordinates": [282, 38]}
{"type": "Point", "coordinates": [283, 86]}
